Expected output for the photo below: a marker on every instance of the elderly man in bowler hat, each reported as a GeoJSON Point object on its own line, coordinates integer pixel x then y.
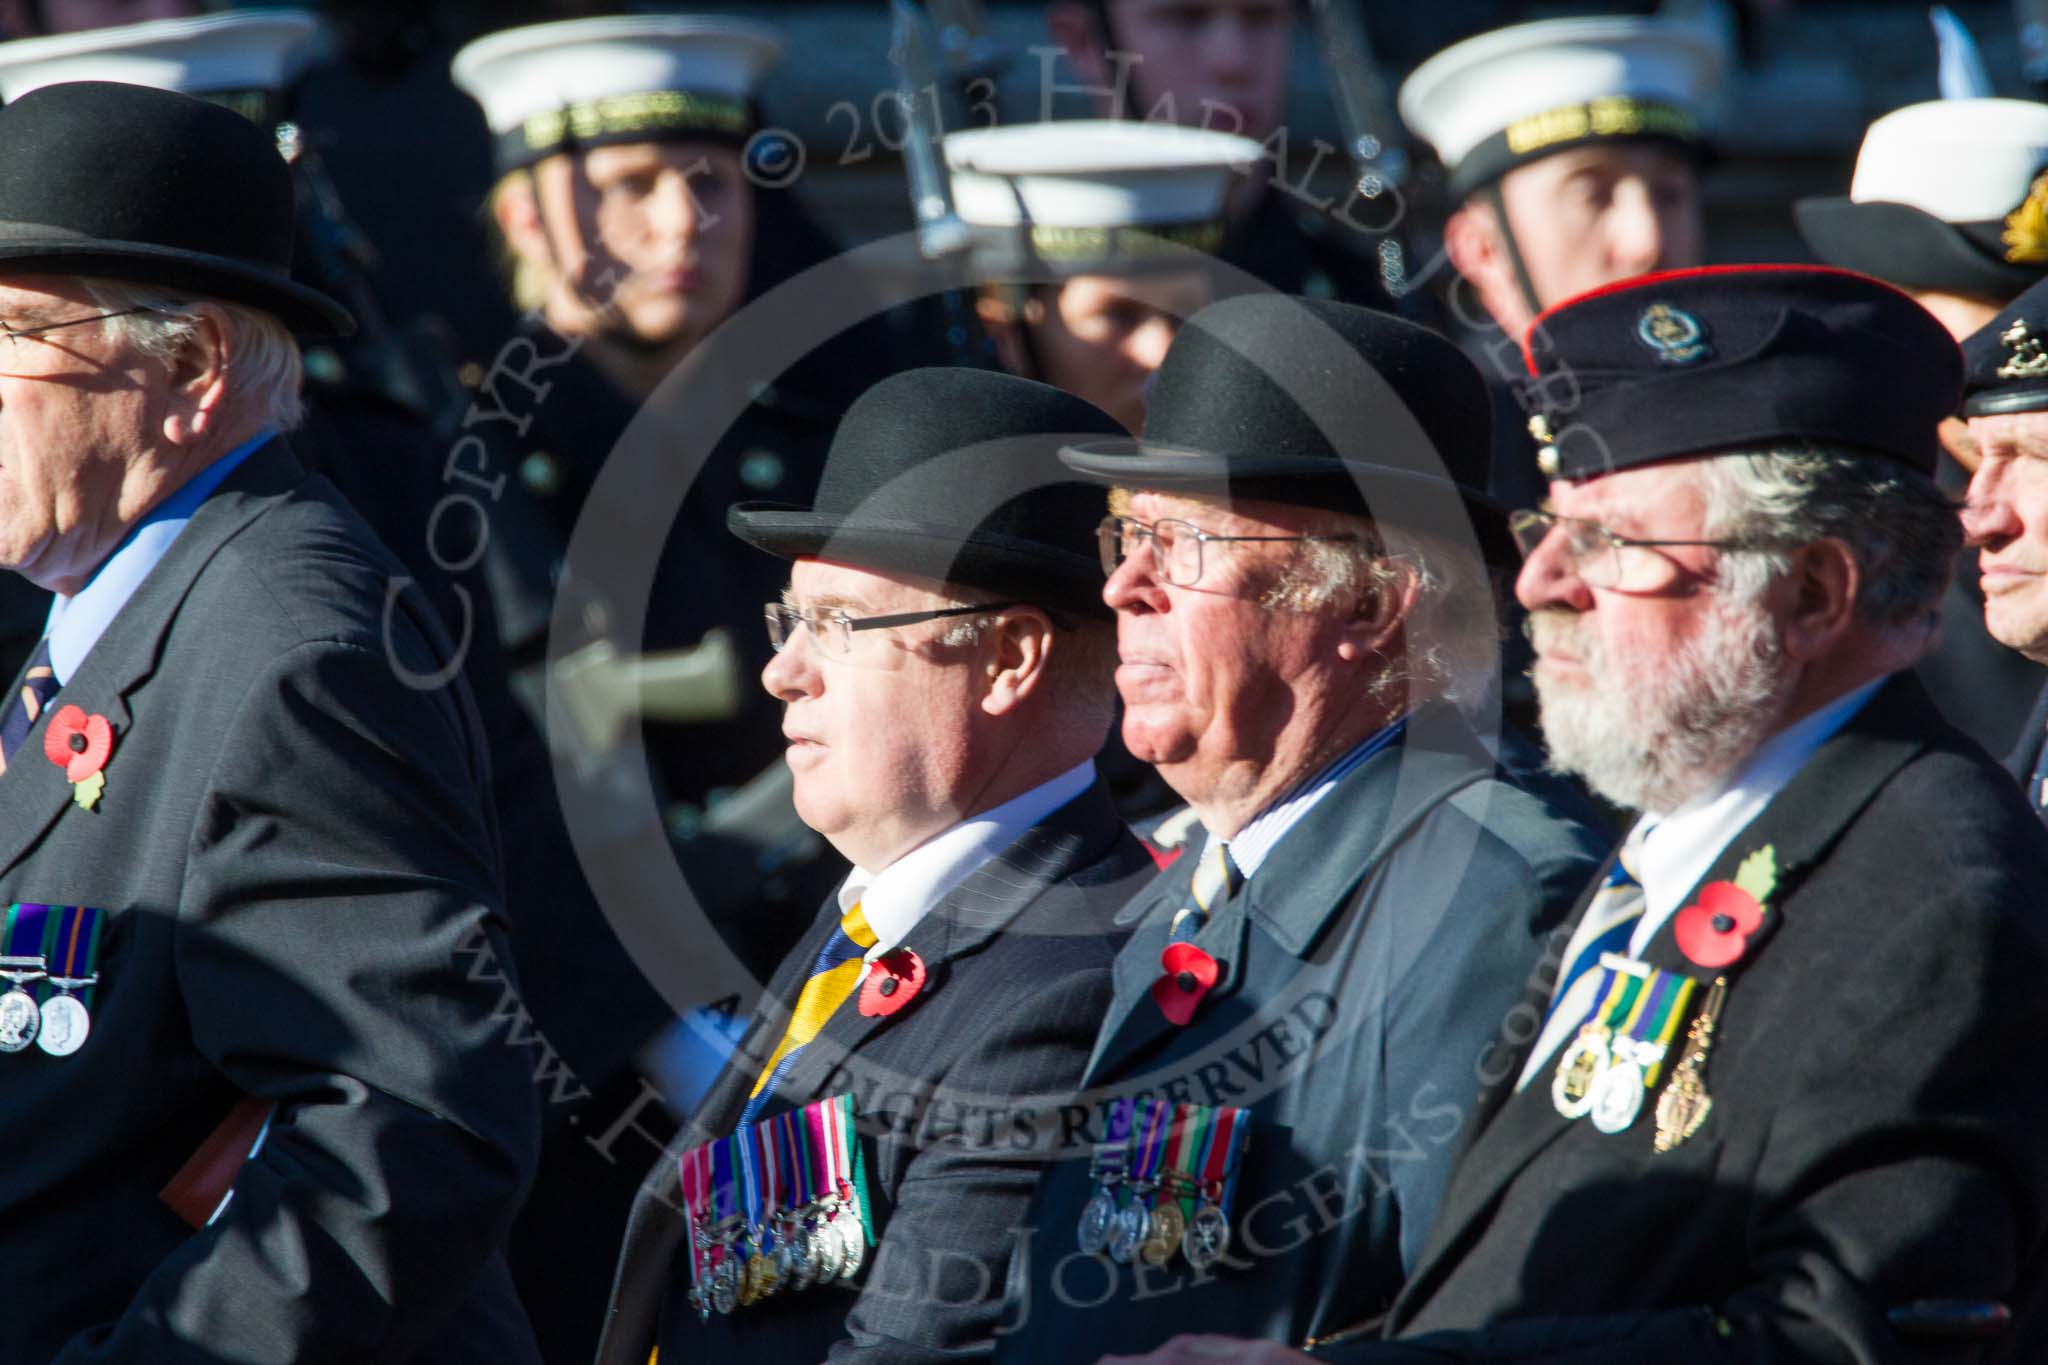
{"type": "Point", "coordinates": [1769, 1096]}
{"type": "Point", "coordinates": [246, 867]}
{"type": "Point", "coordinates": [1301, 1009]}
{"type": "Point", "coordinates": [944, 661]}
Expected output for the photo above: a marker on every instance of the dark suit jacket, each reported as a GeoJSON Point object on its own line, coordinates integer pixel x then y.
{"type": "Point", "coordinates": [295, 850]}
{"type": "Point", "coordinates": [1875, 1136]}
{"type": "Point", "coordinates": [1365, 966]}
{"type": "Point", "coordinates": [955, 1094]}
{"type": "Point", "coordinates": [2027, 752]}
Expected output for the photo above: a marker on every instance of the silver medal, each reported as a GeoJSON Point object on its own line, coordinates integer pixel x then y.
{"type": "Point", "coordinates": [803, 1256]}
{"type": "Point", "coordinates": [827, 1252]}
{"type": "Point", "coordinates": [1206, 1239]}
{"type": "Point", "coordinates": [1618, 1096]}
{"type": "Point", "coordinates": [1096, 1216]}
{"type": "Point", "coordinates": [64, 1025]}
{"type": "Point", "coordinates": [725, 1282]}
{"type": "Point", "coordinates": [20, 1020]}
{"type": "Point", "coordinates": [853, 1244]}
{"type": "Point", "coordinates": [1129, 1233]}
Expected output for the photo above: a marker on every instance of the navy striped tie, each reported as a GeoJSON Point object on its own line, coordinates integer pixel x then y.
{"type": "Point", "coordinates": [38, 685]}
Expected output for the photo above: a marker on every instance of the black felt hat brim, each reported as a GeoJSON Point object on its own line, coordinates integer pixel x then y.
{"type": "Point", "coordinates": [1296, 480]}
{"type": "Point", "coordinates": [1905, 246]}
{"type": "Point", "coordinates": [1030, 571]}
{"type": "Point", "coordinates": [306, 312]}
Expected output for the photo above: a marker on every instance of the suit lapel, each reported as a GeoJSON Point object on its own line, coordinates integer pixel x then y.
{"type": "Point", "coordinates": [34, 791]}
{"type": "Point", "coordinates": [1028, 875]}
{"type": "Point", "coordinates": [1800, 824]}
{"type": "Point", "coordinates": [1311, 875]}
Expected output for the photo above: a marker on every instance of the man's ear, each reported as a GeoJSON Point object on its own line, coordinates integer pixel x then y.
{"type": "Point", "coordinates": [1004, 329]}
{"type": "Point", "coordinates": [199, 377]}
{"type": "Point", "coordinates": [516, 209]}
{"type": "Point", "coordinates": [1820, 595]}
{"type": "Point", "coordinates": [1472, 240]}
{"type": "Point", "coordinates": [1382, 612]}
{"type": "Point", "coordinates": [1018, 649]}
{"type": "Point", "coordinates": [1074, 29]}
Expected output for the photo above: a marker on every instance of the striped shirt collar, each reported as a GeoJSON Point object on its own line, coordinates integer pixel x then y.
{"type": "Point", "coordinates": [1252, 844]}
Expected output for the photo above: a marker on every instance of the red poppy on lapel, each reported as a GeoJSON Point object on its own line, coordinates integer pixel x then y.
{"type": "Point", "coordinates": [81, 745]}
{"type": "Point", "coordinates": [1187, 975]}
{"type": "Point", "coordinates": [894, 979]}
{"type": "Point", "coordinates": [1714, 931]}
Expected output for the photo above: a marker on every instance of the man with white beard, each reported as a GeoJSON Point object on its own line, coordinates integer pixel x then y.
{"type": "Point", "coordinates": [1767, 1097]}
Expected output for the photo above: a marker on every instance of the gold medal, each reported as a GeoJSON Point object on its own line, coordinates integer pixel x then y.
{"type": "Point", "coordinates": [1163, 1233]}
{"type": "Point", "coordinates": [1685, 1103]}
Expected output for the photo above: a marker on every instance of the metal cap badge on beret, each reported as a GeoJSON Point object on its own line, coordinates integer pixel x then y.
{"type": "Point", "coordinates": [151, 187]}
{"type": "Point", "coordinates": [548, 88]}
{"type": "Point", "coordinates": [1949, 195]}
{"type": "Point", "coordinates": [1314, 404]}
{"type": "Point", "coordinates": [2005, 362]}
{"type": "Point", "coordinates": [953, 474]}
{"type": "Point", "coordinates": [1737, 358]}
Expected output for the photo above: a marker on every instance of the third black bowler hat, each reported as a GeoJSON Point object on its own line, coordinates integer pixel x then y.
{"type": "Point", "coordinates": [154, 188]}
{"type": "Point", "coordinates": [1310, 403]}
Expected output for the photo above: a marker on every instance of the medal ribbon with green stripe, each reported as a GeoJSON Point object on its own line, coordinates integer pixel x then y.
{"type": "Point", "coordinates": [1645, 1024]}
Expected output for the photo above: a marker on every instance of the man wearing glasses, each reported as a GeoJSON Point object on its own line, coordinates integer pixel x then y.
{"type": "Point", "coordinates": [944, 660]}
{"type": "Point", "coordinates": [1319, 974]}
{"type": "Point", "coordinates": [1776, 1107]}
{"type": "Point", "coordinates": [246, 869]}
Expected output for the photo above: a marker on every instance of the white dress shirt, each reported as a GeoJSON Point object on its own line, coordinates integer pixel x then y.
{"type": "Point", "coordinates": [1669, 854]}
{"type": "Point", "coordinates": [893, 900]}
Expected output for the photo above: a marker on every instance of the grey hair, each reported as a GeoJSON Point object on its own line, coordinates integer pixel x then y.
{"type": "Point", "coordinates": [1902, 529]}
{"type": "Point", "coordinates": [264, 362]}
{"type": "Point", "coordinates": [1452, 634]}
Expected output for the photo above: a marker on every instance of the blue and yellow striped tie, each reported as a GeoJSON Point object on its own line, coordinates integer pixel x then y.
{"type": "Point", "coordinates": [835, 976]}
{"type": "Point", "coordinates": [1216, 879]}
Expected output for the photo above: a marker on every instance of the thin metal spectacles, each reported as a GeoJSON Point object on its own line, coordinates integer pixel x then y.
{"type": "Point", "coordinates": [1602, 558]}
{"type": "Point", "coordinates": [833, 629]}
{"type": "Point", "coordinates": [1176, 545]}
{"type": "Point", "coordinates": [14, 334]}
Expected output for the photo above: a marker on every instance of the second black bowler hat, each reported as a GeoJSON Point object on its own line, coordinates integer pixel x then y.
{"type": "Point", "coordinates": [1738, 358]}
{"type": "Point", "coordinates": [1310, 403]}
{"type": "Point", "coordinates": [954, 475]}
{"type": "Point", "coordinates": [155, 188]}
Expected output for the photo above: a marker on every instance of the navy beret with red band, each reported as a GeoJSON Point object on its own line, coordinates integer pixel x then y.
{"type": "Point", "coordinates": [1737, 358]}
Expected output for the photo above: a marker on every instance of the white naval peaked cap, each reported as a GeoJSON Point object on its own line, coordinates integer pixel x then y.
{"type": "Point", "coordinates": [1964, 161]}
{"type": "Point", "coordinates": [1494, 101]}
{"type": "Point", "coordinates": [1093, 173]}
{"type": "Point", "coordinates": [617, 78]}
{"type": "Point", "coordinates": [1949, 195]}
{"type": "Point", "coordinates": [215, 54]}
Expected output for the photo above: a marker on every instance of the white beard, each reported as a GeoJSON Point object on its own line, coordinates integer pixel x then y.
{"type": "Point", "coordinates": [1651, 734]}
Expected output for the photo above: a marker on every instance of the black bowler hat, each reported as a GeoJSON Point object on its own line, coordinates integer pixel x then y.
{"type": "Point", "coordinates": [1313, 404]}
{"type": "Point", "coordinates": [953, 474]}
{"type": "Point", "coordinates": [150, 187]}
{"type": "Point", "coordinates": [1737, 358]}
{"type": "Point", "coordinates": [2005, 362]}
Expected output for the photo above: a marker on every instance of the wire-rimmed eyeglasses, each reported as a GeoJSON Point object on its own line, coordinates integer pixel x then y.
{"type": "Point", "coordinates": [1176, 545]}
{"type": "Point", "coordinates": [1601, 558]}
{"type": "Point", "coordinates": [832, 628]}
{"type": "Point", "coordinates": [13, 335]}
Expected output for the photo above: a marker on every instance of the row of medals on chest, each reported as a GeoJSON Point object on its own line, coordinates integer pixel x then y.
{"type": "Point", "coordinates": [59, 1025]}
{"type": "Point", "coordinates": [1606, 1076]}
{"type": "Point", "coordinates": [1149, 1226]}
{"type": "Point", "coordinates": [816, 1244]}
